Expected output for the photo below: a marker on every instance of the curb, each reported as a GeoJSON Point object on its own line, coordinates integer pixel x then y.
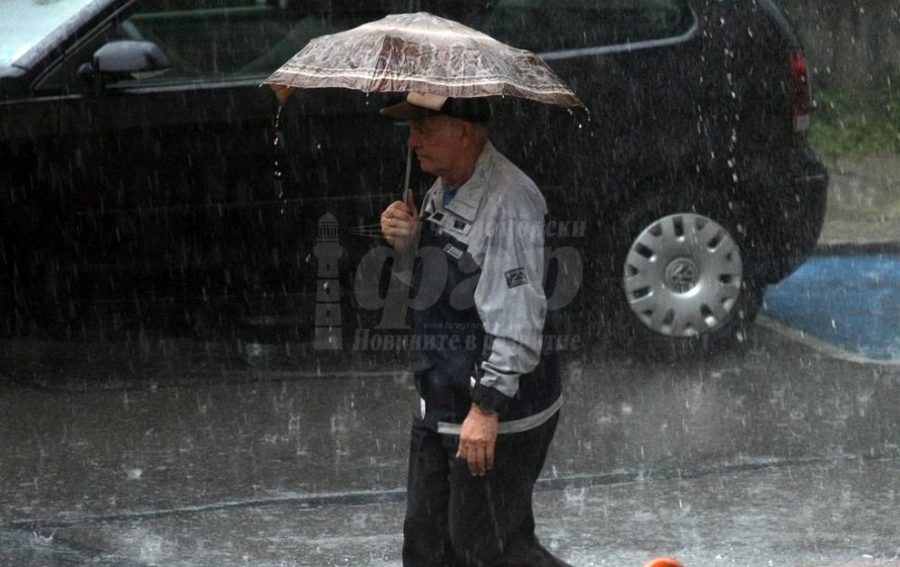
{"type": "Point", "coordinates": [856, 248]}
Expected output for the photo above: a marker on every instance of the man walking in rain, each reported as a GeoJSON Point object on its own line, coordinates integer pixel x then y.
{"type": "Point", "coordinates": [490, 392]}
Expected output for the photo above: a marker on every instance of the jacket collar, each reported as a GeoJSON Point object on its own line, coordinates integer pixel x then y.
{"type": "Point", "coordinates": [470, 194]}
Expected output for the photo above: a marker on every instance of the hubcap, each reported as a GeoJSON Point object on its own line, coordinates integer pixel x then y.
{"type": "Point", "coordinates": [683, 275]}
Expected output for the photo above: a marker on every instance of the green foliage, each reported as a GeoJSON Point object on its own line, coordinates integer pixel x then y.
{"type": "Point", "coordinates": [856, 124]}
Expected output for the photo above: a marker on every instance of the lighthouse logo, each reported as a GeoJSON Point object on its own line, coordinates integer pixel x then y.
{"type": "Point", "coordinates": [327, 250]}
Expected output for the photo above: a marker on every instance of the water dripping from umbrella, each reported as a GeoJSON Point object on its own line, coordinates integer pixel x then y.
{"type": "Point", "coordinates": [279, 154]}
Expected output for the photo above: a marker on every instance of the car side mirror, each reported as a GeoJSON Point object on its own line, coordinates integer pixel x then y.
{"type": "Point", "coordinates": [123, 60]}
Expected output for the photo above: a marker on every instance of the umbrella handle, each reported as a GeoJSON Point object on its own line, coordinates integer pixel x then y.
{"type": "Point", "coordinates": [402, 267]}
{"type": "Point", "coordinates": [408, 171]}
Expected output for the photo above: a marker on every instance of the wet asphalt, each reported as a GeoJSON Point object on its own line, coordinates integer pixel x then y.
{"type": "Point", "coordinates": [137, 451]}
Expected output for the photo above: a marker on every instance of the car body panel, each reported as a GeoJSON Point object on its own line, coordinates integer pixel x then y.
{"type": "Point", "coordinates": [174, 186]}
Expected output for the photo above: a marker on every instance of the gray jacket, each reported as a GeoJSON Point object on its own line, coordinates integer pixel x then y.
{"type": "Point", "coordinates": [491, 240]}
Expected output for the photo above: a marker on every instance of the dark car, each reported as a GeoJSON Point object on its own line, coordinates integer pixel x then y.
{"type": "Point", "coordinates": [146, 176]}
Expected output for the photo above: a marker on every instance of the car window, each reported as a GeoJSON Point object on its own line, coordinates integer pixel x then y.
{"type": "Point", "coordinates": [231, 38]}
{"type": "Point", "coordinates": [553, 25]}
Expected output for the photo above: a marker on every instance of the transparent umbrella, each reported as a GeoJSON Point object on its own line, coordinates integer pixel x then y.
{"type": "Point", "coordinates": [423, 53]}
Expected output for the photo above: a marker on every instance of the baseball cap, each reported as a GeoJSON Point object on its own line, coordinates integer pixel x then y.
{"type": "Point", "coordinates": [423, 105]}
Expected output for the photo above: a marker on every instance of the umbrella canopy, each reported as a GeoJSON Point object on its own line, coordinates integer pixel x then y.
{"type": "Point", "coordinates": [421, 53]}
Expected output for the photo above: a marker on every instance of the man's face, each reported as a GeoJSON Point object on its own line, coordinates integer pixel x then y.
{"type": "Point", "coordinates": [437, 141]}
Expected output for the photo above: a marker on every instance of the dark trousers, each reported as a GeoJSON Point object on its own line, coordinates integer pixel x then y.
{"type": "Point", "coordinates": [454, 519]}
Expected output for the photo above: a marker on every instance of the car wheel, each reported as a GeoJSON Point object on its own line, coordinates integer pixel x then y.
{"type": "Point", "coordinates": [683, 288]}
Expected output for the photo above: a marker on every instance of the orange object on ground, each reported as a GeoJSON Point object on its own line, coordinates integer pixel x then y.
{"type": "Point", "coordinates": [664, 562]}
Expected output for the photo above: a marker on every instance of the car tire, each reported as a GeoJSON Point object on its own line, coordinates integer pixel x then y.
{"type": "Point", "coordinates": [682, 286]}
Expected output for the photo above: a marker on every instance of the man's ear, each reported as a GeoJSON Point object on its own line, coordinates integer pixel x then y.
{"type": "Point", "coordinates": [468, 131]}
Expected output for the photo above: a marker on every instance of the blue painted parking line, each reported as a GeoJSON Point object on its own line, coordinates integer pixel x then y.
{"type": "Point", "coordinates": [852, 302]}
